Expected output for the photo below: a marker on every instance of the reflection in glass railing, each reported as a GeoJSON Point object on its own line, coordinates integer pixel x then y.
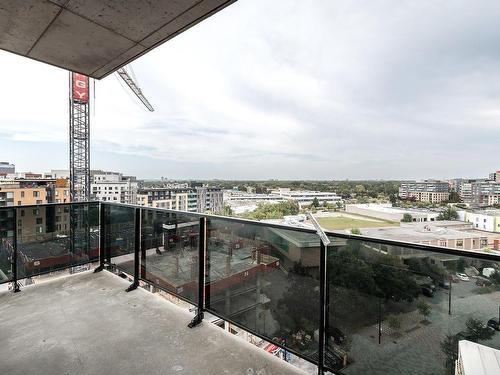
{"type": "Point", "coordinates": [56, 237]}
{"type": "Point", "coordinates": [394, 310]}
{"type": "Point", "coordinates": [265, 280]}
{"type": "Point", "coordinates": [119, 236]}
{"type": "Point", "coordinates": [170, 251]}
{"type": "Point", "coordinates": [7, 228]}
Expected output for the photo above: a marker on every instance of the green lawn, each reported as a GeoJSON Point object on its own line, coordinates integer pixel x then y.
{"type": "Point", "coordinates": [342, 222]}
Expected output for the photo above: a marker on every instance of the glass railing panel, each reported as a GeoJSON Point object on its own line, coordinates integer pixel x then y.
{"type": "Point", "coordinates": [119, 236]}
{"type": "Point", "coordinates": [400, 310]}
{"type": "Point", "coordinates": [7, 227]}
{"type": "Point", "coordinates": [170, 252]}
{"type": "Point", "coordinates": [266, 280]}
{"type": "Point", "coordinates": [56, 237]}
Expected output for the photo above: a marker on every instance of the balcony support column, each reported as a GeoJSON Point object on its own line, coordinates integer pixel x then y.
{"type": "Point", "coordinates": [137, 250]}
{"type": "Point", "coordinates": [15, 284]}
{"type": "Point", "coordinates": [202, 251]}
{"type": "Point", "coordinates": [102, 237]}
{"type": "Point", "coordinates": [323, 302]}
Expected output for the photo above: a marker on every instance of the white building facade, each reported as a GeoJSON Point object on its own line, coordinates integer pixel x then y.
{"type": "Point", "coordinates": [113, 187]}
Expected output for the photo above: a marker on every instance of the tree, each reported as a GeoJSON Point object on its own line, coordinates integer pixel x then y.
{"type": "Point", "coordinates": [461, 264]}
{"type": "Point", "coordinates": [315, 202]}
{"type": "Point", "coordinates": [449, 214]}
{"type": "Point", "coordinates": [355, 231]}
{"type": "Point", "coordinates": [393, 199]}
{"type": "Point", "coordinates": [495, 277]}
{"type": "Point", "coordinates": [394, 322]}
{"type": "Point", "coordinates": [454, 197]}
{"type": "Point", "coordinates": [227, 211]}
{"type": "Point", "coordinates": [449, 346]}
{"type": "Point", "coordinates": [477, 330]}
{"type": "Point", "coordinates": [407, 218]}
{"type": "Point", "coordinates": [424, 308]}
{"type": "Point", "coordinates": [273, 210]}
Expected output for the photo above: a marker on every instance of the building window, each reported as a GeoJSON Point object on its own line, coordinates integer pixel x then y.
{"type": "Point", "coordinates": [460, 243]}
{"type": "Point", "coordinates": [36, 194]}
{"type": "Point", "coordinates": [39, 229]}
{"type": "Point", "coordinates": [38, 201]}
{"type": "Point", "coordinates": [19, 231]}
{"type": "Point", "coordinates": [39, 220]}
{"type": "Point", "coordinates": [19, 223]}
{"type": "Point", "coordinates": [22, 213]}
{"type": "Point", "coordinates": [22, 194]}
{"type": "Point", "coordinates": [36, 211]}
{"type": "Point", "coordinates": [19, 203]}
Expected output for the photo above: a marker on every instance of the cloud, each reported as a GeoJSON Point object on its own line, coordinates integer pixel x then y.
{"type": "Point", "coordinates": [291, 89]}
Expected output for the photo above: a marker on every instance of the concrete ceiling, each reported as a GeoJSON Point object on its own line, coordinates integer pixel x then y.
{"type": "Point", "coordinates": [96, 37]}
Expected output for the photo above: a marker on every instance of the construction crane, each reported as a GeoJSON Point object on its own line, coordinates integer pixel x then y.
{"type": "Point", "coordinates": [79, 131]}
{"type": "Point", "coordinates": [79, 161]}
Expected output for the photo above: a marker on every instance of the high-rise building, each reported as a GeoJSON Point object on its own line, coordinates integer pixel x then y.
{"type": "Point", "coordinates": [431, 191]}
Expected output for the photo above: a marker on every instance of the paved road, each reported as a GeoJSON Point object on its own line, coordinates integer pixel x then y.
{"type": "Point", "coordinates": [418, 350]}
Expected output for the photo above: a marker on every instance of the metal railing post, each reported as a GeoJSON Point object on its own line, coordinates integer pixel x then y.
{"type": "Point", "coordinates": [102, 236]}
{"type": "Point", "coordinates": [323, 308]}
{"type": "Point", "coordinates": [137, 250]}
{"type": "Point", "coordinates": [201, 273]}
{"type": "Point", "coordinates": [14, 254]}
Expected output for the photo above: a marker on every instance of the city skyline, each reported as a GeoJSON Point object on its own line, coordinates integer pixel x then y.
{"type": "Point", "coordinates": [282, 100]}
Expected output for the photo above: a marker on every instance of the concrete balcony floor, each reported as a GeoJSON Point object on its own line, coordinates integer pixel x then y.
{"type": "Point", "coordinates": [87, 324]}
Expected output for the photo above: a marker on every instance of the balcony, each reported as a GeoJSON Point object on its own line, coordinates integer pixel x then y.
{"type": "Point", "coordinates": [358, 306]}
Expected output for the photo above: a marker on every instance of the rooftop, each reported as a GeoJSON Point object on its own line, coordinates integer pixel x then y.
{"type": "Point", "coordinates": [88, 324]}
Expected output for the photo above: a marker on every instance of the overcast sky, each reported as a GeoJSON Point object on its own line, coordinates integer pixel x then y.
{"type": "Point", "coordinates": [288, 90]}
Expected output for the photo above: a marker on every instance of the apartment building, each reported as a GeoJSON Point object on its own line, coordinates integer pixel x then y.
{"type": "Point", "coordinates": [6, 168]}
{"type": "Point", "coordinates": [485, 193]}
{"type": "Point", "coordinates": [192, 199]}
{"type": "Point", "coordinates": [495, 176]}
{"type": "Point", "coordinates": [431, 191]}
{"type": "Point", "coordinates": [21, 192]}
{"type": "Point", "coordinates": [113, 187]}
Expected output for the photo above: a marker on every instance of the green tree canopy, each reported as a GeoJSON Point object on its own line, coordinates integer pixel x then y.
{"type": "Point", "coordinates": [407, 218]}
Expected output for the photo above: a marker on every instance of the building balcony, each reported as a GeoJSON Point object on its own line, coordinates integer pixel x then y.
{"type": "Point", "coordinates": [357, 306]}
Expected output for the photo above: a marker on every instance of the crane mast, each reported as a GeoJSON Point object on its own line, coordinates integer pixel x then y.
{"type": "Point", "coordinates": [79, 136]}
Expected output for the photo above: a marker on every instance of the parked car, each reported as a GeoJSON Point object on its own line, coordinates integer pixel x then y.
{"type": "Point", "coordinates": [444, 284]}
{"type": "Point", "coordinates": [427, 291]}
{"type": "Point", "coordinates": [454, 279]}
{"type": "Point", "coordinates": [430, 286]}
{"type": "Point", "coordinates": [494, 323]}
{"type": "Point", "coordinates": [463, 276]}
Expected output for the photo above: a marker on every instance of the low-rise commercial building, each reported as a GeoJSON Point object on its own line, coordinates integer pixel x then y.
{"type": "Point", "coordinates": [487, 220]}
{"type": "Point", "coordinates": [431, 191]}
{"type": "Point", "coordinates": [452, 234]}
{"type": "Point", "coordinates": [306, 198]}
{"type": "Point", "coordinates": [387, 212]}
